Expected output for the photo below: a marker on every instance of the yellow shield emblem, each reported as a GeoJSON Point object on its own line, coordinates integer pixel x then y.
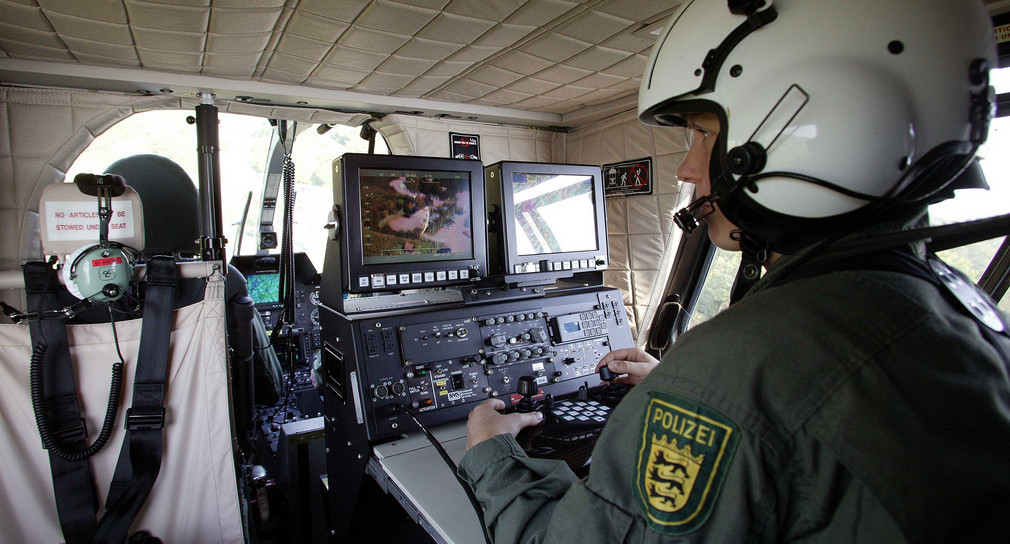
{"type": "Point", "coordinates": [670, 474]}
{"type": "Point", "coordinates": [684, 454]}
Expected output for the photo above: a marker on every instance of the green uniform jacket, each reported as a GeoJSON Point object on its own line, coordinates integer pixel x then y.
{"type": "Point", "coordinates": [859, 406]}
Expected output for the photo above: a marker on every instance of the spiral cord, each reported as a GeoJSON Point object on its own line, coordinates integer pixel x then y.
{"type": "Point", "coordinates": [36, 379]}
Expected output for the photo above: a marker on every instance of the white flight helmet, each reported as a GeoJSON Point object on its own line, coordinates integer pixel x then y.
{"type": "Point", "coordinates": [832, 111]}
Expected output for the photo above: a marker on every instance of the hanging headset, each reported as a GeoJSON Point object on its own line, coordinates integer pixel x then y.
{"type": "Point", "coordinates": [101, 272]}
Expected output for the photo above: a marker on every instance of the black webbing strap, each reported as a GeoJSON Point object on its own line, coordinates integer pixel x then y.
{"type": "Point", "coordinates": [140, 457]}
{"type": "Point", "coordinates": [73, 481]}
{"type": "Point", "coordinates": [897, 259]}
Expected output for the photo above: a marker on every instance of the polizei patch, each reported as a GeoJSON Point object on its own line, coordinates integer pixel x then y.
{"type": "Point", "coordinates": [684, 455]}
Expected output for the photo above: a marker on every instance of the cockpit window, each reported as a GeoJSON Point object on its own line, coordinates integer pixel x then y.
{"type": "Point", "coordinates": [244, 150]}
{"type": "Point", "coordinates": [977, 203]}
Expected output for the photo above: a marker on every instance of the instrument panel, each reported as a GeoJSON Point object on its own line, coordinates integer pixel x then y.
{"type": "Point", "coordinates": [262, 273]}
{"type": "Point", "coordinates": [438, 364]}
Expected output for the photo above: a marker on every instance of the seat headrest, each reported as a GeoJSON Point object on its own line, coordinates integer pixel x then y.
{"type": "Point", "coordinates": [171, 219]}
{"type": "Point", "coordinates": [69, 219]}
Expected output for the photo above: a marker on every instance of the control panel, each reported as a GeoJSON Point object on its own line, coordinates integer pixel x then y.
{"type": "Point", "coordinates": [306, 315]}
{"type": "Point", "coordinates": [438, 364]}
{"type": "Point", "coordinates": [262, 274]}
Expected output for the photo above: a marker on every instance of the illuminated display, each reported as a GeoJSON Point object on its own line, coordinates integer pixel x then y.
{"type": "Point", "coordinates": [553, 213]}
{"type": "Point", "coordinates": [264, 288]}
{"type": "Point", "coordinates": [415, 216]}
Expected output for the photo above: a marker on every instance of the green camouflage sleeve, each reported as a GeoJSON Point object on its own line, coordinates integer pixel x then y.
{"type": "Point", "coordinates": [518, 494]}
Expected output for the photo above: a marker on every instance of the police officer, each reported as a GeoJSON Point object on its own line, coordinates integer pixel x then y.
{"type": "Point", "coordinates": [859, 391]}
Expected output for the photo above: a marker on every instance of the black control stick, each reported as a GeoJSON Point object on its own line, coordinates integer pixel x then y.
{"type": "Point", "coordinates": [606, 375]}
{"type": "Point", "coordinates": [527, 387]}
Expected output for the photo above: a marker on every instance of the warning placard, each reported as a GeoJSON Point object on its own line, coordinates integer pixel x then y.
{"type": "Point", "coordinates": [78, 221]}
{"type": "Point", "coordinates": [628, 177]}
{"type": "Point", "coordinates": [1002, 33]}
{"type": "Point", "coordinates": [465, 146]}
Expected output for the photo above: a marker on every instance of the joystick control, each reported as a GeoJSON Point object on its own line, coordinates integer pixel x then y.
{"type": "Point", "coordinates": [606, 375]}
{"type": "Point", "coordinates": [526, 387]}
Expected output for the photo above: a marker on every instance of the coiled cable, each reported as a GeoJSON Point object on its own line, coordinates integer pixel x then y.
{"type": "Point", "coordinates": [38, 395]}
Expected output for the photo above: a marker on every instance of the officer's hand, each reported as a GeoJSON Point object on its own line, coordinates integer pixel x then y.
{"type": "Point", "coordinates": [485, 422]}
{"type": "Point", "coordinates": [635, 363]}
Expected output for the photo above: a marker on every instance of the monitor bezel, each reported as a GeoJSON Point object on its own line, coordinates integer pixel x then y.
{"type": "Point", "coordinates": [509, 251]}
{"type": "Point", "coordinates": [347, 197]}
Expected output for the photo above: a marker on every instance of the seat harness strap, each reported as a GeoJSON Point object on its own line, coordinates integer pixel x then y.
{"type": "Point", "coordinates": [140, 456]}
{"type": "Point", "coordinates": [73, 481]}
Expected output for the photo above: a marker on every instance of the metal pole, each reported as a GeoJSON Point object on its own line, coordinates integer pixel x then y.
{"type": "Point", "coordinates": [212, 241]}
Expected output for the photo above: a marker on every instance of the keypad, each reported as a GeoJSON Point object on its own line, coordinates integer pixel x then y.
{"type": "Point", "coordinates": [575, 412]}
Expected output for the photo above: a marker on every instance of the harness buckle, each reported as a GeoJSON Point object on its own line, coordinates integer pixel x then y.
{"type": "Point", "coordinates": [76, 431]}
{"type": "Point", "coordinates": [145, 418]}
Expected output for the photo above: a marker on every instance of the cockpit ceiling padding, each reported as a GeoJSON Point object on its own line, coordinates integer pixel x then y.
{"type": "Point", "coordinates": [536, 55]}
{"type": "Point", "coordinates": [194, 498]}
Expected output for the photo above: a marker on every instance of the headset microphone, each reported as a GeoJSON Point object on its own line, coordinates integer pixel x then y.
{"type": "Point", "coordinates": [689, 218]}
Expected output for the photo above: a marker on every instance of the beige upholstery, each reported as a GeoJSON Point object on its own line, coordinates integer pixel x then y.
{"type": "Point", "coordinates": [538, 55]}
{"type": "Point", "coordinates": [32, 158]}
{"type": "Point", "coordinates": [195, 499]}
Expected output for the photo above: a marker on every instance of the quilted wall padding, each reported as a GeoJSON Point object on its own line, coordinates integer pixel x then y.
{"type": "Point", "coordinates": [45, 131]}
{"type": "Point", "coordinates": [409, 135]}
{"type": "Point", "coordinates": [535, 55]}
{"type": "Point", "coordinates": [642, 235]}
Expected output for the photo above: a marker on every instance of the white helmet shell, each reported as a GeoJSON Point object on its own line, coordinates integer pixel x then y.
{"type": "Point", "coordinates": [853, 92]}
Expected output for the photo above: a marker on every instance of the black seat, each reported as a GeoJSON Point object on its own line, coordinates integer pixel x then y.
{"type": "Point", "coordinates": [171, 203]}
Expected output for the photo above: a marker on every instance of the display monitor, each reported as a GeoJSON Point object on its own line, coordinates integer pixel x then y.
{"type": "Point", "coordinates": [264, 288]}
{"type": "Point", "coordinates": [550, 220]}
{"type": "Point", "coordinates": [408, 222]}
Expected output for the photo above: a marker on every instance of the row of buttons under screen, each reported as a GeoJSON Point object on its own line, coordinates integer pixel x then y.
{"type": "Point", "coordinates": [384, 280]}
{"type": "Point", "coordinates": [547, 266]}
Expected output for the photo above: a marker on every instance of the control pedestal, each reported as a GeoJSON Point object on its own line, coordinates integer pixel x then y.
{"type": "Point", "coordinates": [438, 363]}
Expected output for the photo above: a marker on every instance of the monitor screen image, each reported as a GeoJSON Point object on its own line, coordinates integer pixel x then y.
{"type": "Point", "coordinates": [415, 216]}
{"type": "Point", "coordinates": [264, 288]}
{"type": "Point", "coordinates": [554, 213]}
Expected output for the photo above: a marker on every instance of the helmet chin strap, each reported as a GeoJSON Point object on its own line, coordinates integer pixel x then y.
{"type": "Point", "coordinates": [754, 254]}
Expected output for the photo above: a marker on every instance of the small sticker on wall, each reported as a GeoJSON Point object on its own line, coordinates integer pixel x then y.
{"type": "Point", "coordinates": [628, 177]}
{"type": "Point", "coordinates": [465, 146]}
